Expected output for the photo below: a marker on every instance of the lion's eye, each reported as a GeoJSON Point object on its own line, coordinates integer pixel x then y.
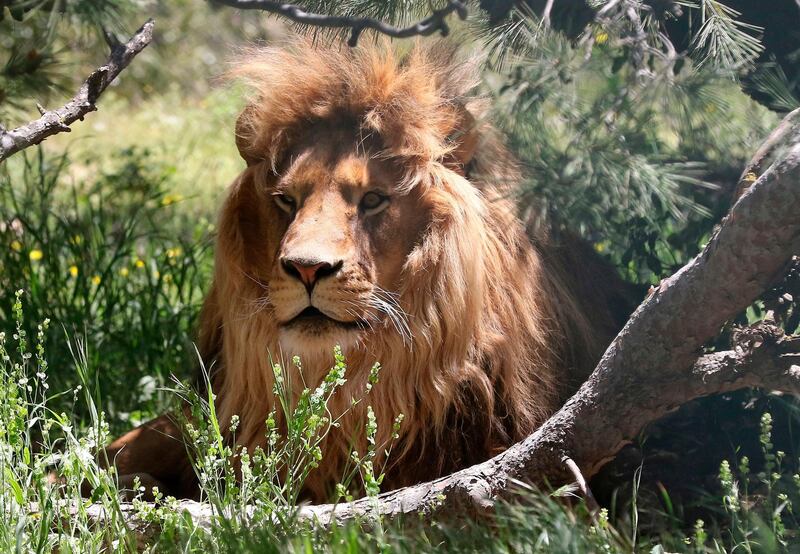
{"type": "Point", "coordinates": [373, 202]}
{"type": "Point", "coordinates": [285, 202]}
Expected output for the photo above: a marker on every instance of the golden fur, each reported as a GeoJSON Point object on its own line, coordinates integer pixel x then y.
{"type": "Point", "coordinates": [480, 333]}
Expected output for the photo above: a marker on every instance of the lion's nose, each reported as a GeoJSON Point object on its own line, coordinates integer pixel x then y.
{"type": "Point", "coordinates": [309, 271]}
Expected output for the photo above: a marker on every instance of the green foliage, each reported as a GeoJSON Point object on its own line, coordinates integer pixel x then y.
{"type": "Point", "coordinates": [40, 512]}
{"type": "Point", "coordinates": [265, 485]}
{"type": "Point", "coordinates": [722, 38]}
{"type": "Point", "coordinates": [33, 40]}
{"type": "Point", "coordinates": [630, 163]}
{"type": "Point", "coordinates": [761, 505]}
{"type": "Point", "coordinates": [109, 261]}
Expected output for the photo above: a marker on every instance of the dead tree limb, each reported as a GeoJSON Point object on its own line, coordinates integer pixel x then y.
{"type": "Point", "coordinates": [437, 21]}
{"type": "Point", "coordinates": [56, 121]}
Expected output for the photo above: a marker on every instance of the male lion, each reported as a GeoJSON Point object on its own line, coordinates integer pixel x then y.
{"type": "Point", "coordinates": [375, 213]}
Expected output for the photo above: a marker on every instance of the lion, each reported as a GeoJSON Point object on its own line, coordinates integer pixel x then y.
{"type": "Point", "coordinates": [376, 212]}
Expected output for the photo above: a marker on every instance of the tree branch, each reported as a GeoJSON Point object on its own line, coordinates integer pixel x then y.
{"type": "Point", "coordinates": [437, 21]}
{"type": "Point", "coordinates": [768, 359]}
{"type": "Point", "coordinates": [59, 120]}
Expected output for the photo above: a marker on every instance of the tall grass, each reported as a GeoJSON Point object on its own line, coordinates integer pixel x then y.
{"type": "Point", "coordinates": [108, 259]}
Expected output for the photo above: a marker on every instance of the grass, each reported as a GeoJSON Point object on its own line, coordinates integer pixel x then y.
{"type": "Point", "coordinates": [115, 265]}
{"type": "Point", "coordinates": [190, 138]}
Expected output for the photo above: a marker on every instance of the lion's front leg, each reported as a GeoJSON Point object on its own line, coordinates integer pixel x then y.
{"type": "Point", "coordinates": [156, 453]}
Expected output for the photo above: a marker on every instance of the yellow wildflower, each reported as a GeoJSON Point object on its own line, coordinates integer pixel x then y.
{"type": "Point", "coordinates": [601, 37]}
{"type": "Point", "coordinates": [16, 246]}
{"type": "Point", "coordinates": [124, 271]}
{"type": "Point", "coordinates": [139, 263]}
{"type": "Point", "coordinates": [73, 270]}
{"type": "Point", "coordinates": [174, 252]}
{"type": "Point", "coordinates": [77, 239]}
{"type": "Point", "coordinates": [167, 278]}
{"type": "Point", "coordinates": [35, 255]}
{"type": "Point", "coordinates": [96, 279]}
{"type": "Point", "coordinates": [171, 199]}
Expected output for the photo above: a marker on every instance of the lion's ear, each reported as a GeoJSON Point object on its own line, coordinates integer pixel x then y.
{"type": "Point", "coordinates": [465, 138]}
{"type": "Point", "coordinates": [245, 135]}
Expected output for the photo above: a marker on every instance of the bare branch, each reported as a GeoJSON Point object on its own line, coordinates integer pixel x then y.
{"type": "Point", "coordinates": [437, 21]}
{"type": "Point", "coordinates": [583, 486]}
{"type": "Point", "coordinates": [59, 120]}
{"type": "Point", "coordinates": [548, 7]}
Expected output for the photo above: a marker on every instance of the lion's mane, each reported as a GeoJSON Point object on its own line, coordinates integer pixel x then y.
{"type": "Point", "coordinates": [497, 333]}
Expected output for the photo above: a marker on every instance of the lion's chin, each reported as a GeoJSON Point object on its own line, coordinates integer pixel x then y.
{"type": "Point", "coordinates": [316, 341]}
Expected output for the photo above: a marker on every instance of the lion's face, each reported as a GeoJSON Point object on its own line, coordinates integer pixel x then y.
{"type": "Point", "coordinates": [338, 232]}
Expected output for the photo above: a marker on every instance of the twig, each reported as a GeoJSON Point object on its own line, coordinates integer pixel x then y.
{"type": "Point", "coordinates": [583, 486]}
{"type": "Point", "coordinates": [56, 121]}
{"type": "Point", "coordinates": [615, 12]}
{"type": "Point", "coordinates": [546, 13]}
{"type": "Point", "coordinates": [437, 21]}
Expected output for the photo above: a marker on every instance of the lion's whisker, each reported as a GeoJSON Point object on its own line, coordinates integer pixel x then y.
{"type": "Point", "coordinates": [387, 303]}
{"type": "Point", "coordinates": [257, 281]}
{"type": "Point", "coordinates": [259, 305]}
{"type": "Point", "coordinates": [392, 299]}
{"type": "Point", "coordinates": [366, 318]}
